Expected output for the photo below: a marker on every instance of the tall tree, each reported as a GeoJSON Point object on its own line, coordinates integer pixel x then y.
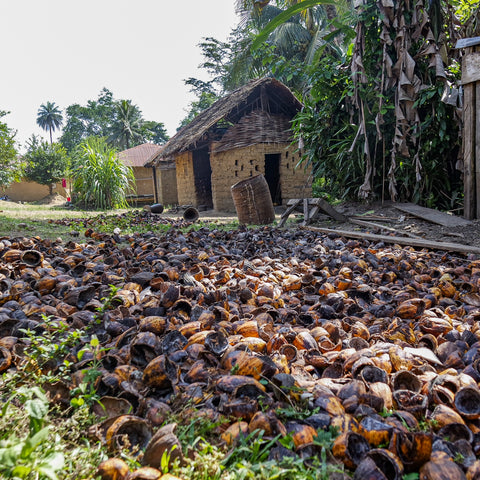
{"type": "Point", "coordinates": [84, 121]}
{"type": "Point", "coordinates": [127, 126]}
{"type": "Point", "coordinates": [119, 121]}
{"type": "Point", "coordinates": [46, 163]}
{"type": "Point", "coordinates": [49, 117]}
{"type": "Point", "coordinates": [9, 167]}
{"type": "Point", "coordinates": [154, 132]}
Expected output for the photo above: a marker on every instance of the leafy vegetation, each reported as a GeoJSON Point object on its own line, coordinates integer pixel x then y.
{"type": "Point", "coordinates": [101, 180]}
{"type": "Point", "coordinates": [9, 167]}
{"type": "Point", "coordinates": [127, 129]}
{"type": "Point", "coordinates": [46, 163]}
{"type": "Point", "coordinates": [33, 455]}
{"type": "Point", "coordinates": [118, 120]}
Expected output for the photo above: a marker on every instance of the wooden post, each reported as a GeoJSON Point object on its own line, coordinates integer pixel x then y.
{"type": "Point", "coordinates": [469, 163]}
{"type": "Point", "coordinates": [476, 144]}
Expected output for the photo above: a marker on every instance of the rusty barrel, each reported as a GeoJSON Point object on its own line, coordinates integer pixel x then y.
{"type": "Point", "coordinates": [253, 201]}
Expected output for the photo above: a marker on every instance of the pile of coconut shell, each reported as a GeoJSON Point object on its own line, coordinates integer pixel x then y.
{"type": "Point", "coordinates": [381, 342]}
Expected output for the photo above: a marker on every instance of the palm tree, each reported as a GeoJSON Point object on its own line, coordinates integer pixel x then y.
{"type": "Point", "coordinates": [307, 22]}
{"type": "Point", "coordinates": [49, 117]}
{"type": "Point", "coordinates": [127, 127]}
{"type": "Point", "coordinates": [300, 32]}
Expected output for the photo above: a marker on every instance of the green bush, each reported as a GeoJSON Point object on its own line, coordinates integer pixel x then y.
{"type": "Point", "coordinates": [101, 180]}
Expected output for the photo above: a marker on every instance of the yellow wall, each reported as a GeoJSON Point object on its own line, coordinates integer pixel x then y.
{"type": "Point", "coordinates": [143, 181]}
{"type": "Point", "coordinates": [185, 179]}
{"type": "Point", "coordinates": [232, 166]}
{"type": "Point", "coordinates": [26, 191]}
{"type": "Point", "coordinates": [167, 184]}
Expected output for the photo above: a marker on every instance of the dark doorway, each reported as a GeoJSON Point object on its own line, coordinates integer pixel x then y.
{"type": "Point", "coordinates": [272, 176]}
{"type": "Point", "coordinates": [203, 176]}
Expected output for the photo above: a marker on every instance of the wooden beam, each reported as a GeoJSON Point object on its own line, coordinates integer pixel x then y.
{"type": "Point", "coordinates": [431, 215]}
{"type": "Point", "coordinates": [382, 227]}
{"type": "Point", "coordinates": [292, 206]}
{"type": "Point", "coordinates": [316, 204]}
{"type": "Point", "coordinates": [329, 210]}
{"type": "Point", "coordinates": [412, 242]}
{"type": "Point", "coordinates": [306, 212]}
{"type": "Point", "coordinates": [476, 146]}
{"type": "Point", "coordinates": [469, 181]}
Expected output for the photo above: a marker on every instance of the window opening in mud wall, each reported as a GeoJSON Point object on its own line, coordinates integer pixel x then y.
{"type": "Point", "coordinates": [272, 176]}
{"type": "Point", "coordinates": [202, 171]}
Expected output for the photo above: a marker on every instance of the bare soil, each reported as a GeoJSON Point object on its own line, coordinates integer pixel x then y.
{"type": "Point", "coordinates": [405, 224]}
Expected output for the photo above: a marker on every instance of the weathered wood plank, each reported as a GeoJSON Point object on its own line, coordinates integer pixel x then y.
{"type": "Point", "coordinates": [382, 227]}
{"type": "Point", "coordinates": [329, 210]}
{"type": "Point", "coordinates": [469, 202]}
{"type": "Point", "coordinates": [306, 216]}
{"type": "Point", "coordinates": [471, 68]}
{"type": "Point", "coordinates": [467, 42]}
{"type": "Point", "coordinates": [323, 205]}
{"type": "Point", "coordinates": [476, 147]}
{"type": "Point", "coordinates": [288, 211]}
{"type": "Point", "coordinates": [311, 215]}
{"type": "Point", "coordinates": [413, 242]}
{"type": "Point", "coordinates": [434, 216]}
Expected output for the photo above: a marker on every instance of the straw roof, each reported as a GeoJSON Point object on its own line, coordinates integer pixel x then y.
{"type": "Point", "coordinates": [265, 94]}
{"type": "Point", "coordinates": [255, 128]}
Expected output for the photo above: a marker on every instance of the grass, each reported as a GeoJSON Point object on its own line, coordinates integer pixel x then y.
{"type": "Point", "coordinates": [31, 219]}
{"type": "Point", "coordinates": [53, 221]}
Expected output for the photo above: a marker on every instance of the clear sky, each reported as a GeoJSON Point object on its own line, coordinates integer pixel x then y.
{"type": "Point", "coordinates": [66, 51]}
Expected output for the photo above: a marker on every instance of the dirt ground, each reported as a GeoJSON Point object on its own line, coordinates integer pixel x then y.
{"type": "Point", "coordinates": [384, 219]}
{"type": "Point", "coordinates": [399, 223]}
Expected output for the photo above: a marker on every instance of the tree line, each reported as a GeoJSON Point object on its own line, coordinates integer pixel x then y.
{"type": "Point", "coordinates": [86, 150]}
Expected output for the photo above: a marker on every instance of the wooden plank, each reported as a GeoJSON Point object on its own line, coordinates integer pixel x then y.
{"type": "Point", "coordinates": [288, 211]}
{"type": "Point", "coordinates": [476, 147]}
{"type": "Point", "coordinates": [413, 242]}
{"type": "Point", "coordinates": [471, 68]}
{"type": "Point", "coordinates": [322, 204]}
{"type": "Point", "coordinates": [314, 212]}
{"type": "Point", "coordinates": [311, 215]}
{"type": "Point", "coordinates": [305, 211]}
{"type": "Point", "coordinates": [382, 227]}
{"type": "Point", "coordinates": [467, 42]}
{"type": "Point", "coordinates": [434, 216]}
{"type": "Point", "coordinates": [469, 201]}
{"type": "Point", "coordinates": [329, 210]}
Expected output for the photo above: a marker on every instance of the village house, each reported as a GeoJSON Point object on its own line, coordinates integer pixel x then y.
{"type": "Point", "coordinates": [147, 187]}
{"type": "Point", "coordinates": [243, 134]}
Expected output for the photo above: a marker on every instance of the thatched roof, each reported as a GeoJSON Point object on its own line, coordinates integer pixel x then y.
{"type": "Point", "coordinates": [264, 94]}
{"type": "Point", "coordinates": [255, 128]}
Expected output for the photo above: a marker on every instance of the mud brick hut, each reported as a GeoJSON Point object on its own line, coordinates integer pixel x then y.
{"type": "Point", "coordinates": [150, 182]}
{"type": "Point", "coordinates": [244, 134]}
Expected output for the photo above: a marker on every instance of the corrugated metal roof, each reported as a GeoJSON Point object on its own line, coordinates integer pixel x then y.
{"type": "Point", "coordinates": [141, 154]}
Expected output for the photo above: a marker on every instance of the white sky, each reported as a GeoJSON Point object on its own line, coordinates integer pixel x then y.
{"type": "Point", "coordinates": [66, 51]}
